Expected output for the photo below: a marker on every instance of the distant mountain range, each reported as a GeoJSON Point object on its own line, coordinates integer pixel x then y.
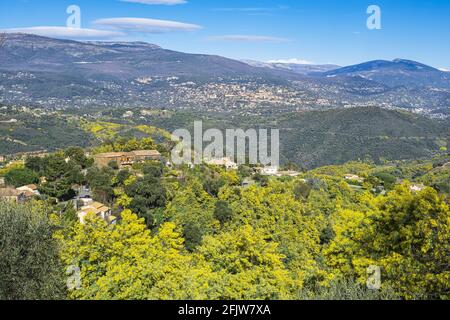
{"type": "Point", "coordinates": [48, 72]}
{"type": "Point", "coordinates": [120, 60]}
{"type": "Point", "coordinates": [395, 73]}
{"type": "Point", "coordinates": [305, 69]}
{"type": "Point", "coordinates": [399, 72]}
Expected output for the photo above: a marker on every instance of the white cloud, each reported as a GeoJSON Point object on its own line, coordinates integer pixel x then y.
{"type": "Point", "coordinates": [67, 33]}
{"type": "Point", "coordinates": [248, 38]}
{"type": "Point", "coordinates": [291, 61]}
{"type": "Point", "coordinates": [251, 9]}
{"type": "Point", "coordinates": [163, 2]}
{"type": "Point", "coordinates": [242, 9]}
{"type": "Point", "coordinates": [443, 69]}
{"type": "Point", "coordinates": [146, 25]}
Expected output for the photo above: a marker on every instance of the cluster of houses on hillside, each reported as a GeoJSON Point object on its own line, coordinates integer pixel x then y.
{"type": "Point", "coordinates": [83, 203]}
{"type": "Point", "coordinates": [126, 158]}
{"type": "Point", "coordinates": [18, 195]}
{"type": "Point", "coordinates": [274, 171]}
{"type": "Point", "coordinates": [26, 193]}
{"type": "Point", "coordinates": [223, 162]}
{"type": "Point", "coordinates": [102, 160]}
{"type": "Point", "coordinates": [353, 180]}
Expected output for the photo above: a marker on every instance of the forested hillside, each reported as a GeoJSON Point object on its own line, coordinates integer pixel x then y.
{"type": "Point", "coordinates": [308, 139]}
{"type": "Point", "coordinates": [316, 138]}
{"type": "Point", "coordinates": [330, 137]}
{"type": "Point", "coordinates": [25, 130]}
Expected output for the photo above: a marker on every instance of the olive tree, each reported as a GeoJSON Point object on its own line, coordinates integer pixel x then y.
{"type": "Point", "coordinates": [29, 264]}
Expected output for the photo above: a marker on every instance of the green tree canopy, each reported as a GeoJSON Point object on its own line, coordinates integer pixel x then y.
{"type": "Point", "coordinates": [30, 268]}
{"type": "Point", "coordinates": [406, 234]}
{"type": "Point", "coordinates": [21, 177]}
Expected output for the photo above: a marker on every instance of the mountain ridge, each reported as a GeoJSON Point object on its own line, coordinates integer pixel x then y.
{"type": "Point", "coordinates": [301, 68]}
{"type": "Point", "coordinates": [36, 70]}
{"type": "Point", "coordinates": [398, 72]}
{"type": "Point", "coordinates": [60, 52]}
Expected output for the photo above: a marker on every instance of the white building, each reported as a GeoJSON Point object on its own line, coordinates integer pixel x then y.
{"type": "Point", "coordinates": [95, 208]}
{"type": "Point", "coordinates": [223, 162]}
{"type": "Point", "coordinates": [270, 171]}
{"type": "Point", "coordinates": [354, 177]}
{"type": "Point", "coordinates": [416, 187]}
{"type": "Point", "coordinates": [288, 173]}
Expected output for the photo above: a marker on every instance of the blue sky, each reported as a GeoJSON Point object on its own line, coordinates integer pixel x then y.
{"type": "Point", "coordinates": [319, 31]}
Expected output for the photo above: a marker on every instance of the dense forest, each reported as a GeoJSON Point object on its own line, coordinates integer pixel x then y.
{"type": "Point", "coordinates": [201, 233]}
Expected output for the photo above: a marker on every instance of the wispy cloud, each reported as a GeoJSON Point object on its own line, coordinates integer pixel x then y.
{"type": "Point", "coordinates": [251, 9]}
{"type": "Point", "coordinates": [153, 2]}
{"type": "Point", "coordinates": [242, 9]}
{"type": "Point", "coordinates": [67, 33]}
{"type": "Point", "coordinates": [291, 61]}
{"type": "Point", "coordinates": [146, 25]}
{"type": "Point", "coordinates": [248, 38]}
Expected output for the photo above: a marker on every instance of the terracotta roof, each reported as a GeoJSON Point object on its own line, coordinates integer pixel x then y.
{"type": "Point", "coordinates": [28, 194]}
{"type": "Point", "coordinates": [146, 153]}
{"type": "Point", "coordinates": [103, 209]}
{"type": "Point", "coordinates": [110, 155]}
{"type": "Point", "coordinates": [141, 153]}
{"type": "Point", "coordinates": [89, 210]}
{"type": "Point", "coordinates": [9, 192]}
{"type": "Point", "coordinates": [29, 187]}
{"type": "Point", "coordinates": [95, 207]}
